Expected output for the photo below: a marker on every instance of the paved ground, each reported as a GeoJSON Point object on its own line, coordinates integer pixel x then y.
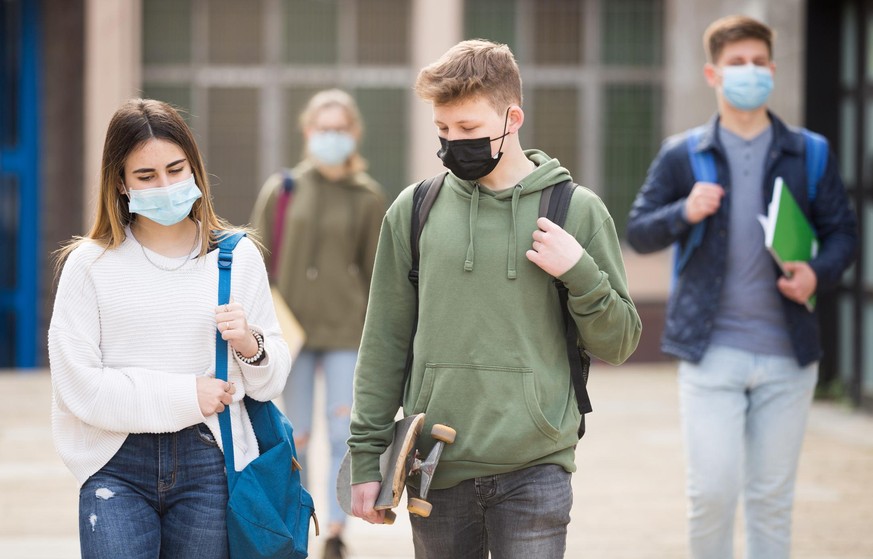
{"type": "Point", "coordinates": [629, 500]}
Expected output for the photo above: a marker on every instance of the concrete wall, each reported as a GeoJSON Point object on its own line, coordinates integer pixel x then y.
{"type": "Point", "coordinates": [427, 47]}
{"type": "Point", "coordinates": [113, 31]}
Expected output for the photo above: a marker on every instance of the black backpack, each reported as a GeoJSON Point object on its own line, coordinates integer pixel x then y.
{"type": "Point", "coordinates": [554, 204]}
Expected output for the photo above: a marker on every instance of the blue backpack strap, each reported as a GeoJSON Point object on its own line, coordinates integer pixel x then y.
{"type": "Point", "coordinates": [702, 162]}
{"type": "Point", "coordinates": [703, 168]}
{"type": "Point", "coordinates": [287, 180]}
{"type": "Point", "coordinates": [226, 245]}
{"type": "Point", "coordinates": [816, 161]}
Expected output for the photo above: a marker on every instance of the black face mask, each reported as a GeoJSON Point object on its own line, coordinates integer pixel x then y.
{"type": "Point", "coordinates": [471, 159]}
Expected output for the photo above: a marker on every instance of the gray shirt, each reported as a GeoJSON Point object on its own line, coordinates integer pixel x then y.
{"type": "Point", "coordinates": [750, 315]}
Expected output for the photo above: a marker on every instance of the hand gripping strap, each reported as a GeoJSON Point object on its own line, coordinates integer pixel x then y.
{"type": "Point", "coordinates": [703, 167]}
{"type": "Point", "coordinates": [554, 206]}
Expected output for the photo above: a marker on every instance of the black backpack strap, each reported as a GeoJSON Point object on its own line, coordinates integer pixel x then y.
{"type": "Point", "coordinates": [554, 205]}
{"type": "Point", "coordinates": [423, 197]}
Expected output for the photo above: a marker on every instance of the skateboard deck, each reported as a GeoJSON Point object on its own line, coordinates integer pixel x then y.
{"type": "Point", "coordinates": [400, 460]}
{"type": "Point", "coordinates": [395, 464]}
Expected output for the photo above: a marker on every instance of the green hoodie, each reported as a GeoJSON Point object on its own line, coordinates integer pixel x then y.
{"type": "Point", "coordinates": [490, 359]}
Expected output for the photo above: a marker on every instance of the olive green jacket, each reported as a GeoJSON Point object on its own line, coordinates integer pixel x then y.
{"type": "Point", "coordinates": [325, 258]}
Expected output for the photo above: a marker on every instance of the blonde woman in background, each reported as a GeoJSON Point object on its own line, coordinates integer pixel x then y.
{"type": "Point", "coordinates": [321, 240]}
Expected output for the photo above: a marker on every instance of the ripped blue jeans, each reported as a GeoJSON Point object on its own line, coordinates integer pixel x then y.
{"type": "Point", "coordinates": [339, 374]}
{"type": "Point", "coordinates": [161, 495]}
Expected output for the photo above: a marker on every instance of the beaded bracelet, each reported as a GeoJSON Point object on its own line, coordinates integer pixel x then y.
{"type": "Point", "coordinates": [258, 355]}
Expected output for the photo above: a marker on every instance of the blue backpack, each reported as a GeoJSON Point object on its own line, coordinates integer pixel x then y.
{"type": "Point", "coordinates": [703, 167]}
{"type": "Point", "coordinates": [268, 510]}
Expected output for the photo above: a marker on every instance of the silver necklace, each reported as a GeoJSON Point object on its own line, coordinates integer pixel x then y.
{"type": "Point", "coordinates": [164, 268]}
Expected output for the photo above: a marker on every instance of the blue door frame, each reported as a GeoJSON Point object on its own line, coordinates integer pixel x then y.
{"type": "Point", "coordinates": [19, 169]}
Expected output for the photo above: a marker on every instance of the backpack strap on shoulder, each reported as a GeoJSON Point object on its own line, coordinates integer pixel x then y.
{"type": "Point", "coordinates": [703, 168]}
{"type": "Point", "coordinates": [423, 197]}
{"type": "Point", "coordinates": [816, 161]}
{"type": "Point", "coordinates": [226, 244]}
{"type": "Point", "coordinates": [554, 206]}
{"type": "Point", "coordinates": [555, 202]}
{"type": "Point", "coordinates": [702, 161]}
{"type": "Point", "coordinates": [282, 202]}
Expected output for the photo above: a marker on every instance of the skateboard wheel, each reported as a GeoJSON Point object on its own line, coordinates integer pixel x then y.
{"type": "Point", "coordinates": [390, 517]}
{"type": "Point", "coordinates": [443, 433]}
{"type": "Point", "coordinates": [419, 507]}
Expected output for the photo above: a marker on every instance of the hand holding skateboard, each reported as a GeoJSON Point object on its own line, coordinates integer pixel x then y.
{"type": "Point", "coordinates": [400, 460]}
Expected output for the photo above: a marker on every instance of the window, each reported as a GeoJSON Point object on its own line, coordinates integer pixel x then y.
{"type": "Point", "coordinates": [243, 71]}
{"type": "Point", "coordinates": [592, 84]}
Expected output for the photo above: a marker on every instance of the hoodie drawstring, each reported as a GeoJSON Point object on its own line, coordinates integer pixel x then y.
{"type": "Point", "coordinates": [474, 217]}
{"type": "Point", "coordinates": [511, 267]}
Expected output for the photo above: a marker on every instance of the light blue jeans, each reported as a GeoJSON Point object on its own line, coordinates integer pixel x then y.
{"type": "Point", "coordinates": [519, 515]}
{"type": "Point", "coordinates": [743, 420]}
{"type": "Point", "coordinates": [339, 373]}
{"type": "Point", "coordinates": [159, 496]}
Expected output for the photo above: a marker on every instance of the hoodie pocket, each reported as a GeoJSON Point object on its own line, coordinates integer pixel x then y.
{"type": "Point", "coordinates": [495, 411]}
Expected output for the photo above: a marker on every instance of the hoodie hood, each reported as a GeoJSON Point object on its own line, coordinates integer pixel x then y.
{"type": "Point", "coordinates": [548, 171]}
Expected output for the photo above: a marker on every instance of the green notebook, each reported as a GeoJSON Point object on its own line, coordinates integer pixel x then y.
{"type": "Point", "coordinates": [788, 235]}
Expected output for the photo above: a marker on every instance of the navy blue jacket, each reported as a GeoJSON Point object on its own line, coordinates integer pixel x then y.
{"type": "Point", "coordinates": [656, 222]}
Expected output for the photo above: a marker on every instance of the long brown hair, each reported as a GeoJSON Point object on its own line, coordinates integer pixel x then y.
{"type": "Point", "coordinates": [136, 122]}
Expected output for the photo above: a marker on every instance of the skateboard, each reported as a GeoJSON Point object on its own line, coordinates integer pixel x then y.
{"type": "Point", "coordinates": [400, 460]}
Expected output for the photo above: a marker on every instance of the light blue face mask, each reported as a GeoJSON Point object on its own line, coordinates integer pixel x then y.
{"type": "Point", "coordinates": [165, 205]}
{"type": "Point", "coordinates": [747, 87]}
{"type": "Point", "coordinates": [331, 148]}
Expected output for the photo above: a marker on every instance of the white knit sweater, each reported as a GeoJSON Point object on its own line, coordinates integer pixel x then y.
{"type": "Point", "coordinates": [127, 341]}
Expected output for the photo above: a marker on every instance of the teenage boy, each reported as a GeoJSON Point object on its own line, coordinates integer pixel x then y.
{"type": "Point", "coordinates": [490, 358]}
{"type": "Point", "coordinates": [749, 348]}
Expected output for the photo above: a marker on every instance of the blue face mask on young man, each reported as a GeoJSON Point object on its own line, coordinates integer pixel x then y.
{"type": "Point", "coordinates": [747, 87]}
{"type": "Point", "coordinates": [165, 205]}
{"type": "Point", "coordinates": [331, 148]}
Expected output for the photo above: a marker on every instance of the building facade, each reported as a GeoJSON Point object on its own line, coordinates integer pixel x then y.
{"type": "Point", "coordinates": [605, 81]}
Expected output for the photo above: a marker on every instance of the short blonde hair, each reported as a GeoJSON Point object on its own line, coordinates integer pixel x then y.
{"type": "Point", "coordinates": [472, 69]}
{"type": "Point", "coordinates": [332, 98]}
{"type": "Point", "coordinates": [731, 29]}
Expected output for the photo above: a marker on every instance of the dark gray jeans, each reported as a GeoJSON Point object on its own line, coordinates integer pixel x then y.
{"type": "Point", "coordinates": [518, 515]}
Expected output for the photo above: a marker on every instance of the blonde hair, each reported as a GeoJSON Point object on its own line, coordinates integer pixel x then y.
{"type": "Point", "coordinates": [731, 29]}
{"type": "Point", "coordinates": [471, 69]}
{"type": "Point", "coordinates": [329, 98]}
{"type": "Point", "coordinates": [132, 125]}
